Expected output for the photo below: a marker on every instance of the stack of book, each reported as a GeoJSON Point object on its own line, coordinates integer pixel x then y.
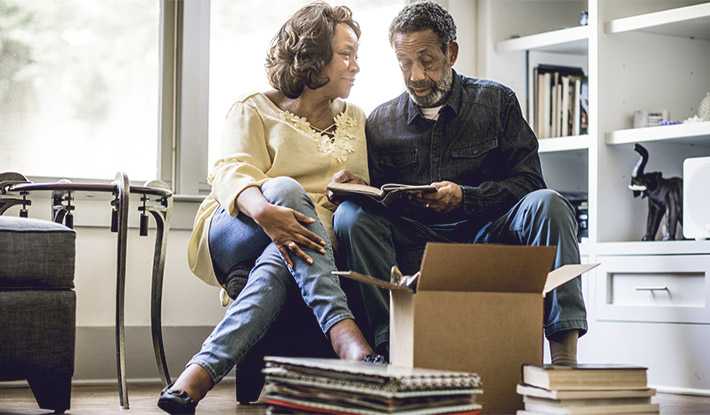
{"type": "Point", "coordinates": [586, 389]}
{"type": "Point", "coordinates": [560, 101]}
{"type": "Point", "coordinates": [333, 386]}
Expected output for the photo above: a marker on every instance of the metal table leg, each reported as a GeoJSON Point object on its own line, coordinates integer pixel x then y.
{"type": "Point", "coordinates": [123, 190]}
{"type": "Point", "coordinates": [162, 215]}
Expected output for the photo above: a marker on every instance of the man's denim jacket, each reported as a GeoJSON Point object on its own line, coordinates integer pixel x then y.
{"type": "Point", "coordinates": [480, 142]}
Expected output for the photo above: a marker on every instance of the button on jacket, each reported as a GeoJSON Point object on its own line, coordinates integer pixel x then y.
{"type": "Point", "coordinates": [480, 142]}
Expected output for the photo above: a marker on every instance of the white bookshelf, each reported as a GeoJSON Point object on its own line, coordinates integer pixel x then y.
{"type": "Point", "coordinates": [569, 40]}
{"type": "Point", "coordinates": [690, 133]}
{"type": "Point", "coordinates": [648, 55]}
{"type": "Point", "coordinates": [687, 247]}
{"type": "Point", "coordinates": [689, 21]}
{"type": "Point", "coordinates": [548, 145]}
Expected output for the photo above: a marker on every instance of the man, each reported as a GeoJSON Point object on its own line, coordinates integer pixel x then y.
{"type": "Point", "coordinates": [468, 138]}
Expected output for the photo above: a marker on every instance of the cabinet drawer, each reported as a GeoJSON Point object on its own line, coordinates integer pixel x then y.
{"type": "Point", "coordinates": [662, 288]}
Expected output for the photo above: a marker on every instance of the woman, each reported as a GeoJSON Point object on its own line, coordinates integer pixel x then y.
{"type": "Point", "coordinates": [279, 150]}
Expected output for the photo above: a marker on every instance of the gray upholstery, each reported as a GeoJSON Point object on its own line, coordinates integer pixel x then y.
{"type": "Point", "coordinates": [36, 254]}
{"type": "Point", "coordinates": [38, 307]}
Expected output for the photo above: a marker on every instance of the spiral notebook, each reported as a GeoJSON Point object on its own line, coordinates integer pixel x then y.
{"type": "Point", "coordinates": [333, 386]}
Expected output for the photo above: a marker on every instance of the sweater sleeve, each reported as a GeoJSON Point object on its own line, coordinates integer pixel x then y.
{"type": "Point", "coordinates": [244, 156]}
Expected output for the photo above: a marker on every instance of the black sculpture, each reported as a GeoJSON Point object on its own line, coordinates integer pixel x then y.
{"type": "Point", "coordinates": [665, 197]}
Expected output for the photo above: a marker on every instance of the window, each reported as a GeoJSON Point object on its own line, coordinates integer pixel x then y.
{"type": "Point", "coordinates": [80, 81]}
{"type": "Point", "coordinates": [79, 87]}
{"type": "Point", "coordinates": [239, 38]}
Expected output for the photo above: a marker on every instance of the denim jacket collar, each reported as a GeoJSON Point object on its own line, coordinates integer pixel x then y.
{"type": "Point", "coordinates": [453, 100]}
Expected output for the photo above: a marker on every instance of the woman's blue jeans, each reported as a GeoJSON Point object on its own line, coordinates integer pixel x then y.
{"type": "Point", "coordinates": [368, 237]}
{"type": "Point", "coordinates": [233, 240]}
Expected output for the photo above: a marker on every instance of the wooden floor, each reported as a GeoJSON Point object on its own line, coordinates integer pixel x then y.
{"type": "Point", "coordinates": [103, 400]}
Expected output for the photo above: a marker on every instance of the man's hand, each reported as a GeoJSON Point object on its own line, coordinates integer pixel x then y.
{"type": "Point", "coordinates": [448, 197]}
{"type": "Point", "coordinates": [343, 176]}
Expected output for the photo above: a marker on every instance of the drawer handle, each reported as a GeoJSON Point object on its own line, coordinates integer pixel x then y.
{"type": "Point", "coordinates": [651, 288]}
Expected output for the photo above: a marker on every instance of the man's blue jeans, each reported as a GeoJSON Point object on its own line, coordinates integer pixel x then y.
{"type": "Point", "coordinates": [233, 240]}
{"type": "Point", "coordinates": [368, 237]}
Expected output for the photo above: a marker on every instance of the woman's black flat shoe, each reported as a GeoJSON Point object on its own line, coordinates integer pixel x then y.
{"type": "Point", "coordinates": [176, 402]}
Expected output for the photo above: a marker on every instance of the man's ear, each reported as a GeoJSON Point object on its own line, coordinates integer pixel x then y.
{"type": "Point", "coordinates": [453, 52]}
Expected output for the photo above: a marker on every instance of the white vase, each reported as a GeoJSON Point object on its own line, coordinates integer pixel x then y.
{"type": "Point", "coordinates": [704, 108]}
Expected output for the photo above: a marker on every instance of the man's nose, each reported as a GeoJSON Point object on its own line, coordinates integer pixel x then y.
{"type": "Point", "coordinates": [418, 73]}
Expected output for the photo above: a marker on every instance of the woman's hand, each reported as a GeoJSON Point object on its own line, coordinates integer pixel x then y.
{"type": "Point", "coordinates": [285, 228]}
{"type": "Point", "coordinates": [283, 225]}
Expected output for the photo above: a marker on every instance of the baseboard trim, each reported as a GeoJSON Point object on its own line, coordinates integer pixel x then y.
{"type": "Point", "coordinates": [681, 391]}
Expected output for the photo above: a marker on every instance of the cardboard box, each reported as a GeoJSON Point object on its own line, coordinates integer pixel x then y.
{"type": "Point", "coordinates": [475, 308]}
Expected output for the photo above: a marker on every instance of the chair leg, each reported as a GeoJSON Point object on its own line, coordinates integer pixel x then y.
{"type": "Point", "coordinates": [52, 392]}
{"type": "Point", "coordinates": [249, 380]}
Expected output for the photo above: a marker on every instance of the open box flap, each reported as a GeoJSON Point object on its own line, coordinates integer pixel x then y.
{"type": "Point", "coordinates": [371, 280]}
{"type": "Point", "coordinates": [485, 267]}
{"type": "Point", "coordinates": [563, 274]}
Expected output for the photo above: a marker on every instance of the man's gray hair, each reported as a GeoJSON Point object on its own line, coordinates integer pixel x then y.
{"type": "Point", "coordinates": [425, 15]}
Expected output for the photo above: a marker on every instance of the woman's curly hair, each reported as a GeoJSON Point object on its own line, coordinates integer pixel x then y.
{"type": "Point", "coordinates": [302, 47]}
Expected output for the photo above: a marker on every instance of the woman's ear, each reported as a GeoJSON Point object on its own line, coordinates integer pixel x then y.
{"type": "Point", "coordinates": [453, 50]}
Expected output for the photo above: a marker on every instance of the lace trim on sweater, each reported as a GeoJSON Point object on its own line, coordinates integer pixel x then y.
{"type": "Point", "coordinates": [340, 144]}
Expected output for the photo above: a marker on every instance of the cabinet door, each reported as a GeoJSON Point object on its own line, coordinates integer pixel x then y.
{"type": "Point", "coordinates": [661, 288]}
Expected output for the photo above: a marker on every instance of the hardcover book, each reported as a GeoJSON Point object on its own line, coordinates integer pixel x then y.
{"type": "Point", "coordinates": [603, 394]}
{"type": "Point", "coordinates": [385, 195]}
{"type": "Point", "coordinates": [585, 376]}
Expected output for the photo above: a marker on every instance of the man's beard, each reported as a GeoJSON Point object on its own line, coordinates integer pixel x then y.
{"type": "Point", "coordinates": [438, 90]}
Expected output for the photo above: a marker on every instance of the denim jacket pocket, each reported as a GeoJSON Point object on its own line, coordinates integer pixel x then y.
{"type": "Point", "coordinates": [476, 150]}
{"type": "Point", "coordinates": [398, 159]}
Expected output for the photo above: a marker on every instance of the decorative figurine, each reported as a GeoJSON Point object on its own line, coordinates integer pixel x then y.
{"type": "Point", "coordinates": [704, 108]}
{"type": "Point", "coordinates": [665, 197]}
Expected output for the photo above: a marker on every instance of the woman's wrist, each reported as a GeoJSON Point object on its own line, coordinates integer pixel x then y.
{"type": "Point", "coordinates": [252, 203]}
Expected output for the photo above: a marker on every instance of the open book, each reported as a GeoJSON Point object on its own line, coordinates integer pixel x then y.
{"type": "Point", "coordinates": [385, 195]}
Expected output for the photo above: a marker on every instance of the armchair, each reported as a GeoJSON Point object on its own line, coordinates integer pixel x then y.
{"type": "Point", "coordinates": [38, 308]}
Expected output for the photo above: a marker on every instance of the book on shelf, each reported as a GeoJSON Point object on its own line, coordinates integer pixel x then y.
{"type": "Point", "coordinates": [385, 195]}
{"type": "Point", "coordinates": [558, 100]}
{"type": "Point", "coordinates": [334, 386]}
{"type": "Point", "coordinates": [585, 376]}
{"type": "Point", "coordinates": [576, 116]}
{"type": "Point", "coordinates": [584, 106]}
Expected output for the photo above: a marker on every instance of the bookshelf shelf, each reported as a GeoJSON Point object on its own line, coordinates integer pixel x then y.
{"type": "Point", "coordinates": [568, 40]}
{"type": "Point", "coordinates": [691, 133]}
{"type": "Point", "coordinates": [688, 247]}
{"type": "Point", "coordinates": [690, 21]}
{"type": "Point", "coordinates": [550, 145]}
